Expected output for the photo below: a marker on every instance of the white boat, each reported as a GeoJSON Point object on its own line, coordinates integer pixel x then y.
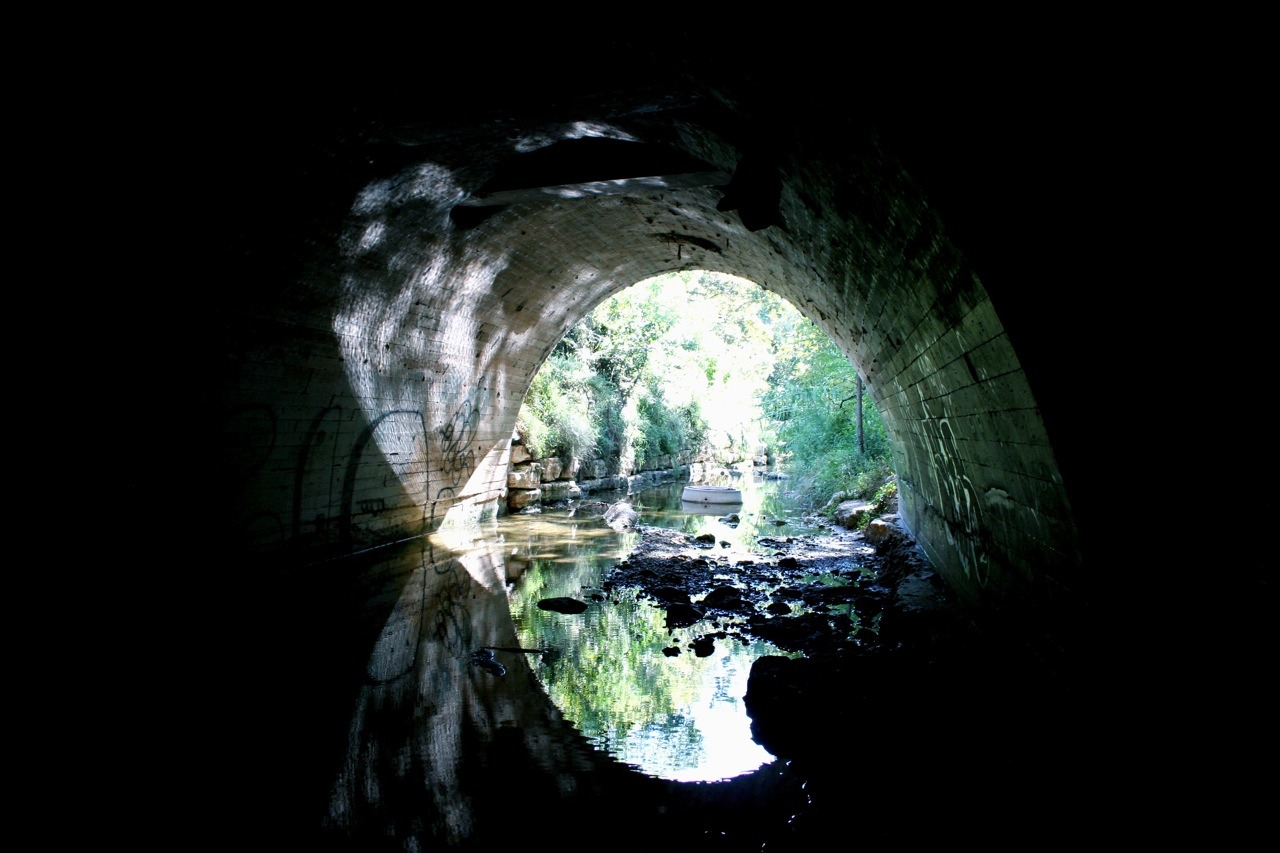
{"type": "Point", "coordinates": [711, 494]}
{"type": "Point", "coordinates": [702, 508]}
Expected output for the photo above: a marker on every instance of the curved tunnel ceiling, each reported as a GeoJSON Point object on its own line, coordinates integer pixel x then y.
{"type": "Point", "coordinates": [569, 221]}
{"type": "Point", "coordinates": [432, 267]}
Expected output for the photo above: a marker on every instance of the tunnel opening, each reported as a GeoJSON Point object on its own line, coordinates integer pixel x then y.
{"type": "Point", "coordinates": [667, 383]}
{"type": "Point", "coordinates": [699, 368]}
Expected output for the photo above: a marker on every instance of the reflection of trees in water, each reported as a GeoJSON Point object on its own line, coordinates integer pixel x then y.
{"type": "Point", "coordinates": [614, 681]}
{"type": "Point", "coordinates": [430, 736]}
{"type": "Point", "coordinates": [608, 673]}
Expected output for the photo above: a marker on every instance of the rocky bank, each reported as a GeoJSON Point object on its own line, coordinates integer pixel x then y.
{"type": "Point", "coordinates": [883, 673]}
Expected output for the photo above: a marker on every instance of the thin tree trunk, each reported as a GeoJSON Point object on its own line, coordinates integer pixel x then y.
{"type": "Point", "coordinates": [862, 446]}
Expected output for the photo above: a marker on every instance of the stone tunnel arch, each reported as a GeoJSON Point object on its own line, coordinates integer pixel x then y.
{"type": "Point", "coordinates": [1065, 225]}
{"type": "Point", "coordinates": [375, 397]}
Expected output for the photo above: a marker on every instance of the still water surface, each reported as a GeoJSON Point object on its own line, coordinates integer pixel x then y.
{"type": "Point", "coordinates": [674, 717]}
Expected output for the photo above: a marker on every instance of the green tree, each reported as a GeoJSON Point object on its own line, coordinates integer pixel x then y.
{"type": "Point", "coordinates": [812, 407]}
{"type": "Point", "coordinates": [557, 417]}
{"type": "Point", "coordinates": [707, 365]}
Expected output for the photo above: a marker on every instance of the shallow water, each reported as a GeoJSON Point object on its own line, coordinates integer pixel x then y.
{"type": "Point", "coordinates": [350, 696]}
{"type": "Point", "coordinates": [680, 716]}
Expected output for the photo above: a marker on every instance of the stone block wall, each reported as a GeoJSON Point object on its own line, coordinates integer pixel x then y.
{"type": "Point", "coordinates": [535, 481]}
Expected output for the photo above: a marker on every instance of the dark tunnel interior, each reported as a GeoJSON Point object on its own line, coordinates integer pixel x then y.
{"type": "Point", "coordinates": [1172, 646]}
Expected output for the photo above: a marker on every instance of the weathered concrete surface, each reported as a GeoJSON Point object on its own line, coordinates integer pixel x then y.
{"type": "Point", "coordinates": [378, 316]}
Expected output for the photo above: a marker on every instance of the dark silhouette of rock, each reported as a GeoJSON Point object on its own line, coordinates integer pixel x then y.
{"type": "Point", "coordinates": [682, 615]}
{"type": "Point", "coordinates": [723, 598]}
{"type": "Point", "coordinates": [483, 658]}
{"type": "Point", "coordinates": [563, 605]}
{"type": "Point", "coordinates": [670, 595]}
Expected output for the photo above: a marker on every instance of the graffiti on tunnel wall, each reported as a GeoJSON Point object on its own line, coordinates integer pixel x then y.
{"type": "Point", "coordinates": [400, 428]}
{"type": "Point", "coordinates": [455, 436]}
{"type": "Point", "coordinates": [960, 509]}
{"type": "Point", "coordinates": [333, 480]}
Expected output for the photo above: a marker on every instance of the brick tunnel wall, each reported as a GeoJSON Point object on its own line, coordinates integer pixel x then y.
{"type": "Point", "coordinates": [370, 386]}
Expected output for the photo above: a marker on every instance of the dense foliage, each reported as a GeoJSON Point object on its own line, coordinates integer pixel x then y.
{"type": "Point", "coordinates": [706, 366]}
{"type": "Point", "coordinates": [812, 405]}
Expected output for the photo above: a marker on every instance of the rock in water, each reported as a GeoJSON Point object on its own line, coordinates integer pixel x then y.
{"type": "Point", "coordinates": [563, 605]}
{"type": "Point", "coordinates": [621, 516]}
